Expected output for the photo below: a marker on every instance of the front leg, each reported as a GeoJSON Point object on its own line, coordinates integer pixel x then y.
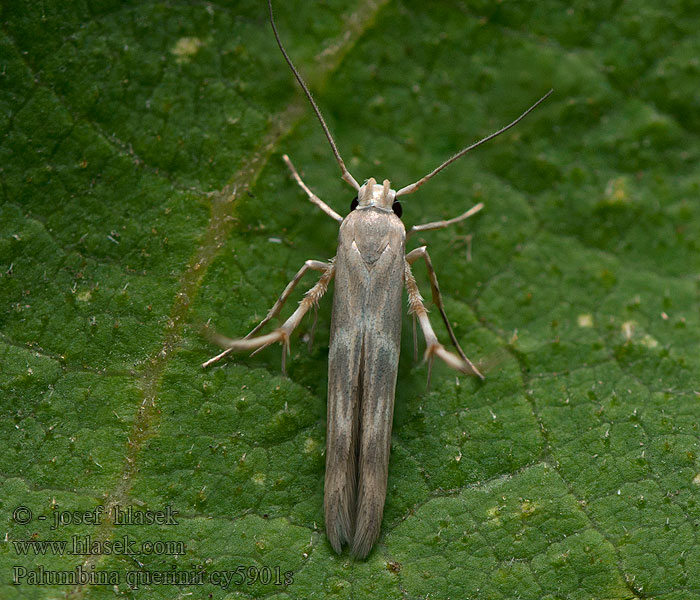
{"type": "Point", "coordinates": [442, 224]}
{"type": "Point", "coordinates": [313, 197]}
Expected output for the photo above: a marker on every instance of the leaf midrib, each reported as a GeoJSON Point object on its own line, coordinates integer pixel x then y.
{"type": "Point", "coordinates": [218, 227]}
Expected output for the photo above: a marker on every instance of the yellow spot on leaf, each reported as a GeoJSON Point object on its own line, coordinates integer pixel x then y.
{"type": "Point", "coordinates": [649, 341]}
{"type": "Point", "coordinates": [616, 192]}
{"type": "Point", "coordinates": [494, 514]}
{"type": "Point", "coordinates": [186, 48]}
{"type": "Point", "coordinates": [585, 321]}
{"type": "Point", "coordinates": [527, 508]}
{"type": "Point", "coordinates": [84, 296]}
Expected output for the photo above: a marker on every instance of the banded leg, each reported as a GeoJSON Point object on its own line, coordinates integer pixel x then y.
{"type": "Point", "coordinates": [315, 265]}
{"type": "Point", "coordinates": [434, 347]}
{"type": "Point", "coordinates": [281, 334]}
{"type": "Point", "coordinates": [412, 257]}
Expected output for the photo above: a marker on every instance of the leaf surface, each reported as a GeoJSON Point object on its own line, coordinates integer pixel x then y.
{"type": "Point", "coordinates": [144, 196]}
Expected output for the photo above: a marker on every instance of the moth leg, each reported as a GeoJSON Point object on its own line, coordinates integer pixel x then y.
{"type": "Point", "coordinates": [412, 257]}
{"type": "Point", "coordinates": [434, 347]}
{"type": "Point", "coordinates": [313, 197]}
{"type": "Point", "coordinates": [282, 333]}
{"type": "Point", "coordinates": [315, 265]}
{"type": "Point", "coordinates": [442, 224]}
{"type": "Point", "coordinates": [313, 329]}
{"type": "Point", "coordinates": [415, 339]}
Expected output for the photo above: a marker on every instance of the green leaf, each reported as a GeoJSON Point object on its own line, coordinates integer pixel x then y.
{"type": "Point", "coordinates": [144, 195]}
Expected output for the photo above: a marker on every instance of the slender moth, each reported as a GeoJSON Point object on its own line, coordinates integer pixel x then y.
{"type": "Point", "coordinates": [370, 268]}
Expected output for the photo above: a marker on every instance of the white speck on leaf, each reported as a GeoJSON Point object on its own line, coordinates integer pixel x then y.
{"type": "Point", "coordinates": [628, 328]}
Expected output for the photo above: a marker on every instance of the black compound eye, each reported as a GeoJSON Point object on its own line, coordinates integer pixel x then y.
{"type": "Point", "coordinates": [397, 208]}
{"type": "Point", "coordinates": [353, 204]}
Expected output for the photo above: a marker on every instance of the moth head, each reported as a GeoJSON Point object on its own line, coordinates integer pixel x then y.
{"type": "Point", "coordinates": [373, 194]}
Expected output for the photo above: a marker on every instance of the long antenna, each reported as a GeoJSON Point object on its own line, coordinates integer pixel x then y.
{"type": "Point", "coordinates": [409, 189]}
{"type": "Point", "coordinates": [346, 174]}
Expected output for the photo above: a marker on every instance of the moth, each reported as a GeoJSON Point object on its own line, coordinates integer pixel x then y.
{"type": "Point", "coordinates": [371, 268]}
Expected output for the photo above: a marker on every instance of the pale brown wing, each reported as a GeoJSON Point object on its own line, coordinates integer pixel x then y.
{"type": "Point", "coordinates": [363, 362]}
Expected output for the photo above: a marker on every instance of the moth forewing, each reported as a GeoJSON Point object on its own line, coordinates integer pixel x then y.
{"type": "Point", "coordinates": [362, 368]}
